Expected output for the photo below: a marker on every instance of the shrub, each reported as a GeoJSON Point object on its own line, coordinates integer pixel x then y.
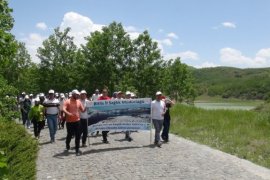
{"type": "Point", "coordinates": [20, 150]}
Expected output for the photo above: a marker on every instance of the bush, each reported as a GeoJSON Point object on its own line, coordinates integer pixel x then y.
{"type": "Point", "coordinates": [20, 150]}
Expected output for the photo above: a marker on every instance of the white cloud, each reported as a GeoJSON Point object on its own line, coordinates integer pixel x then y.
{"type": "Point", "coordinates": [41, 25]}
{"type": "Point", "coordinates": [32, 42]}
{"type": "Point", "coordinates": [264, 53]}
{"type": "Point", "coordinates": [186, 55]}
{"type": "Point", "coordinates": [166, 42]}
{"type": "Point", "coordinates": [160, 30]}
{"type": "Point", "coordinates": [132, 31]}
{"type": "Point", "coordinates": [228, 25]}
{"type": "Point", "coordinates": [172, 35]}
{"type": "Point", "coordinates": [81, 26]}
{"type": "Point", "coordinates": [234, 57]}
{"type": "Point", "coordinates": [206, 64]}
{"type": "Point", "coordinates": [133, 35]}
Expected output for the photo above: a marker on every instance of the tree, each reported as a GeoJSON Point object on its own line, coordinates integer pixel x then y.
{"type": "Point", "coordinates": [58, 56]}
{"type": "Point", "coordinates": [107, 57]}
{"type": "Point", "coordinates": [18, 68]}
{"type": "Point", "coordinates": [8, 45]}
{"type": "Point", "coordinates": [7, 100]}
{"type": "Point", "coordinates": [147, 65]}
{"type": "Point", "coordinates": [178, 81]}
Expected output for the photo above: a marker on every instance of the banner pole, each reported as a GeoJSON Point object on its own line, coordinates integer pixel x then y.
{"type": "Point", "coordinates": [151, 124]}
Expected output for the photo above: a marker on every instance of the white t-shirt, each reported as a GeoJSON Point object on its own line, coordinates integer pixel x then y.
{"type": "Point", "coordinates": [95, 97]}
{"type": "Point", "coordinates": [158, 108]}
{"type": "Point", "coordinates": [51, 106]}
{"type": "Point", "coordinates": [61, 104]}
{"type": "Point", "coordinates": [84, 115]}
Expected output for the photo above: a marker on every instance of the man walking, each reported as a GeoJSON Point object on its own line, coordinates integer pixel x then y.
{"type": "Point", "coordinates": [52, 112]}
{"type": "Point", "coordinates": [158, 111]}
{"type": "Point", "coordinates": [72, 108]}
{"type": "Point", "coordinates": [84, 118]}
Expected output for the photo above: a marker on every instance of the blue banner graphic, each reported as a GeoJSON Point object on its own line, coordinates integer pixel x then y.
{"type": "Point", "coordinates": [119, 115]}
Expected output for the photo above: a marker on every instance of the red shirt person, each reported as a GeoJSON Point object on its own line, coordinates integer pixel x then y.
{"type": "Point", "coordinates": [72, 108]}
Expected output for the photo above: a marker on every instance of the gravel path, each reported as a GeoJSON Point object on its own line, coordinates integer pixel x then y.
{"type": "Point", "coordinates": [120, 159]}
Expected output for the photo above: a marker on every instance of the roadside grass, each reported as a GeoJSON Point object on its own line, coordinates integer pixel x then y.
{"type": "Point", "coordinates": [245, 134]}
{"type": "Point", "coordinates": [19, 151]}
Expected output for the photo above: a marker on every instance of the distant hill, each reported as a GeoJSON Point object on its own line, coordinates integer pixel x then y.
{"type": "Point", "coordinates": [233, 82]}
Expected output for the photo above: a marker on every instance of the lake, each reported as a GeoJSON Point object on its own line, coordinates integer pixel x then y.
{"type": "Point", "coordinates": [235, 106]}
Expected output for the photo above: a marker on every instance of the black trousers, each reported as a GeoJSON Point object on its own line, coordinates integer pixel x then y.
{"type": "Point", "coordinates": [24, 117]}
{"type": "Point", "coordinates": [73, 128]}
{"type": "Point", "coordinates": [84, 130]}
{"type": "Point", "coordinates": [166, 128]}
{"type": "Point", "coordinates": [38, 125]}
{"type": "Point", "coordinates": [104, 135]}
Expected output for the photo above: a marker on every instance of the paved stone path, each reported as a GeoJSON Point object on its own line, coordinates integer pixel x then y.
{"type": "Point", "coordinates": [120, 159]}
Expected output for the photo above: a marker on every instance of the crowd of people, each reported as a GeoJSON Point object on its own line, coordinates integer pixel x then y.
{"type": "Point", "coordinates": [60, 110]}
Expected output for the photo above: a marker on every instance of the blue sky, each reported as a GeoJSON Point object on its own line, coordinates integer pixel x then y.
{"type": "Point", "coordinates": [204, 33]}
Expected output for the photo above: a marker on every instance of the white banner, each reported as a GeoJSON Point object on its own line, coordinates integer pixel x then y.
{"type": "Point", "coordinates": [119, 115]}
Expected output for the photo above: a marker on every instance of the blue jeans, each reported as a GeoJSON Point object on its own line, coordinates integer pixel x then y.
{"type": "Point", "coordinates": [158, 126]}
{"type": "Point", "coordinates": [52, 124]}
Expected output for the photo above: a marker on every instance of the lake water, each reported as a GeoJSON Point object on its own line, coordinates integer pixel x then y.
{"type": "Point", "coordinates": [235, 106]}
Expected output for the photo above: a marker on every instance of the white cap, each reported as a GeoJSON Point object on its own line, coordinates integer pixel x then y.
{"type": "Point", "coordinates": [62, 95]}
{"type": "Point", "coordinates": [128, 93]}
{"type": "Point", "coordinates": [37, 99]}
{"type": "Point", "coordinates": [30, 94]}
{"type": "Point", "coordinates": [41, 95]}
{"type": "Point", "coordinates": [83, 92]}
{"type": "Point", "coordinates": [158, 93]}
{"type": "Point", "coordinates": [23, 93]}
{"type": "Point", "coordinates": [51, 91]}
{"type": "Point", "coordinates": [75, 91]}
{"type": "Point", "coordinates": [26, 97]}
{"type": "Point", "coordinates": [133, 95]}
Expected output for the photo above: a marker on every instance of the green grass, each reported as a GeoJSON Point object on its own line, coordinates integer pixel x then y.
{"type": "Point", "coordinates": [241, 133]}
{"type": "Point", "coordinates": [19, 151]}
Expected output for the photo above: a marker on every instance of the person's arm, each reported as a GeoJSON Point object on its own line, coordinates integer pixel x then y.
{"type": "Point", "coordinates": [65, 108]}
{"type": "Point", "coordinates": [82, 107]}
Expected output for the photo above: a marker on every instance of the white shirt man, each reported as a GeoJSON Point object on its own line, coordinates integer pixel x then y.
{"type": "Point", "coordinates": [84, 117]}
{"type": "Point", "coordinates": [158, 111]}
{"type": "Point", "coordinates": [96, 95]}
{"type": "Point", "coordinates": [52, 112]}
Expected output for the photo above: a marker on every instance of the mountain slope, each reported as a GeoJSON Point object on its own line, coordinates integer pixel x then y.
{"type": "Point", "coordinates": [233, 82]}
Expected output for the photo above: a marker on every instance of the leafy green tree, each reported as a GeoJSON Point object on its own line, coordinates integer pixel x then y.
{"type": "Point", "coordinates": [178, 81]}
{"type": "Point", "coordinates": [19, 68]}
{"type": "Point", "coordinates": [107, 57]}
{"type": "Point", "coordinates": [8, 45]}
{"type": "Point", "coordinates": [57, 56]}
{"type": "Point", "coordinates": [148, 64]}
{"type": "Point", "coordinates": [7, 100]}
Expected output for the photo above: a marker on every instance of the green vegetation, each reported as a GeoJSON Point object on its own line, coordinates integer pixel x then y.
{"type": "Point", "coordinates": [241, 133]}
{"type": "Point", "coordinates": [233, 82]}
{"type": "Point", "coordinates": [18, 152]}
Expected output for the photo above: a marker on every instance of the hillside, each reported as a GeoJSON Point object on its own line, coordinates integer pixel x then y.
{"type": "Point", "coordinates": [233, 82]}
